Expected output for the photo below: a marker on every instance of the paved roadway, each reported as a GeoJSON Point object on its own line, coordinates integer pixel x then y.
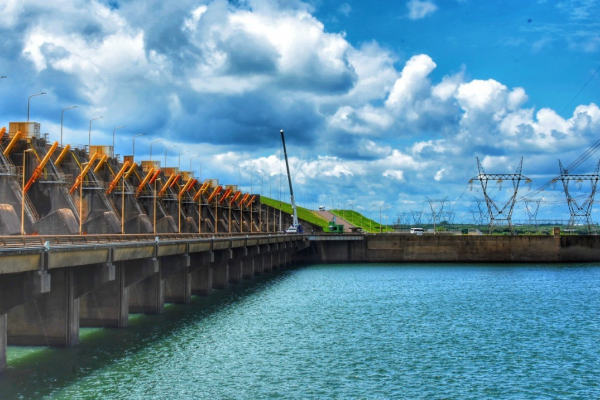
{"type": "Point", "coordinates": [338, 220]}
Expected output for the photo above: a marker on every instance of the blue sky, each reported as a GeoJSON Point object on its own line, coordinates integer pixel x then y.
{"type": "Point", "coordinates": [384, 103]}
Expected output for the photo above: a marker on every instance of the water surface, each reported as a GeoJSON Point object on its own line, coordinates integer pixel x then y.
{"type": "Point", "coordinates": [345, 331]}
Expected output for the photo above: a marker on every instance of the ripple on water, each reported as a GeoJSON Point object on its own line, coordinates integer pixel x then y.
{"type": "Point", "coordinates": [351, 331]}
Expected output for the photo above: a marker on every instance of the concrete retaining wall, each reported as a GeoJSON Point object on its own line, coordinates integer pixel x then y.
{"type": "Point", "coordinates": [412, 248]}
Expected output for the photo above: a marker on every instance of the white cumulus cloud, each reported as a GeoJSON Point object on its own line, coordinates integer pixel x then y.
{"type": "Point", "coordinates": [418, 9]}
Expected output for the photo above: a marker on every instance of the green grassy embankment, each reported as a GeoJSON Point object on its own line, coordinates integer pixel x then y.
{"type": "Point", "coordinates": [357, 219]}
{"type": "Point", "coordinates": [303, 213]}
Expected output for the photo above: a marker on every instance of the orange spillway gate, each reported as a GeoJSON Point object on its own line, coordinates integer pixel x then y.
{"type": "Point", "coordinates": [202, 189]}
{"type": "Point", "coordinates": [40, 168]}
{"type": "Point", "coordinates": [225, 195]}
{"type": "Point", "coordinates": [79, 179]}
{"type": "Point", "coordinates": [187, 186]}
{"type": "Point", "coordinates": [115, 181]}
{"type": "Point", "coordinates": [215, 193]}
{"type": "Point", "coordinates": [235, 197]}
{"type": "Point", "coordinates": [144, 182]}
{"type": "Point", "coordinates": [164, 188]}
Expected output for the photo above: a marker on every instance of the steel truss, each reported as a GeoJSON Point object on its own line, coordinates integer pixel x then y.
{"type": "Point", "coordinates": [580, 213]}
{"type": "Point", "coordinates": [532, 206]}
{"type": "Point", "coordinates": [416, 217]}
{"type": "Point", "coordinates": [480, 218]}
{"type": "Point", "coordinates": [501, 213]}
{"type": "Point", "coordinates": [437, 209]}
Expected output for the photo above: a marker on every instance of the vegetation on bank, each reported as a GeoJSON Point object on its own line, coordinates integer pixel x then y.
{"type": "Point", "coordinates": [369, 225]}
{"type": "Point", "coordinates": [303, 213]}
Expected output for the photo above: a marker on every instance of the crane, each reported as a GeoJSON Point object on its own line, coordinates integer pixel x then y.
{"type": "Point", "coordinates": [296, 227]}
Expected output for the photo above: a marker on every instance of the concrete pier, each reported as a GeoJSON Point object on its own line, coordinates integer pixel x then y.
{"type": "Point", "coordinates": [147, 295]}
{"type": "Point", "coordinates": [108, 305]}
{"type": "Point", "coordinates": [220, 268]}
{"type": "Point", "coordinates": [201, 273]}
{"type": "Point", "coordinates": [49, 290]}
{"type": "Point", "coordinates": [52, 319]}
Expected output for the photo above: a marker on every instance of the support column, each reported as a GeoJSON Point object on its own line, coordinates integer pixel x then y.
{"type": "Point", "coordinates": [260, 262]}
{"type": "Point", "coordinates": [220, 269]}
{"type": "Point", "coordinates": [19, 288]}
{"type": "Point", "coordinates": [52, 319]}
{"type": "Point", "coordinates": [147, 296]}
{"type": "Point", "coordinates": [248, 263]}
{"type": "Point", "coordinates": [201, 273]}
{"type": "Point", "coordinates": [108, 305]}
{"type": "Point", "coordinates": [258, 265]}
{"type": "Point", "coordinates": [178, 283]}
{"type": "Point", "coordinates": [267, 263]}
{"type": "Point", "coordinates": [236, 266]}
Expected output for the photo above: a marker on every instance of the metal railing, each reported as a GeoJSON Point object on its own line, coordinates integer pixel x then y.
{"type": "Point", "coordinates": [69, 240]}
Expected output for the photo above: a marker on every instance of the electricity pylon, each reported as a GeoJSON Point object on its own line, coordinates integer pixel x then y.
{"type": "Point", "coordinates": [480, 210]}
{"type": "Point", "coordinates": [437, 209]}
{"type": "Point", "coordinates": [532, 207]}
{"type": "Point", "coordinates": [416, 216]}
{"type": "Point", "coordinates": [502, 212]}
{"type": "Point", "coordinates": [579, 212]}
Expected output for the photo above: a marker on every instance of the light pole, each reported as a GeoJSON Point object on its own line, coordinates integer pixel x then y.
{"type": "Point", "coordinates": [81, 199]}
{"type": "Point", "coordinates": [371, 215]}
{"type": "Point", "coordinates": [262, 180]}
{"type": "Point", "coordinates": [154, 213]}
{"type": "Point", "coordinates": [62, 114]}
{"type": "Point", "coordinates": [191, 161]}
{"type": "Point", "coordinates": [28, 101]}
{"type": "Point", "coordinates": [90, 132]}
{"type": "Point", "coordinates": [156, 141]}
{"type": "Point", "coordinates": [23, 193]}
{"type": "Point", "coordinates": [133, 150]}
{"type": "Point", "coordinates": [179, 163]}
{"type": "Point", "coordinates": [123, 204]}
{"type": "Point", "coordinates": [118, 127]}
{"type": "Point", "coordinates": [200, 177]}
{"type": "Point", "coordinates": [167, 149]}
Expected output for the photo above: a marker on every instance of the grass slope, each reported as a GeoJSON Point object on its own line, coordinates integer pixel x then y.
{"type": "Point", "coordinates": [357, 219]}
{"type": "Point", "coordinates": [303, 213]}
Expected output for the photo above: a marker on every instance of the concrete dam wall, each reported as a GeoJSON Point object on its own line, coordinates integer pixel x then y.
{"type": "Point", "coordinates": [429, 248]}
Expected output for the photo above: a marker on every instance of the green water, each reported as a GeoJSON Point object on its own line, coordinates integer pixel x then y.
{"type": "Point", "coordinates": [345, 331]}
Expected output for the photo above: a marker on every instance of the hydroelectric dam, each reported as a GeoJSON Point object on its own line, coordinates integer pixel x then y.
{"type": "Point", "coordinates": [87, 238]}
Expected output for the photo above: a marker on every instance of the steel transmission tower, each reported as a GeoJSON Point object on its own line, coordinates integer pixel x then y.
{"type": "Point", "coordinates": [416, 216]}
{"type": "Point", "coordinates": [503, 212]}
{"type": "Point", "coordinates": [532, 206]}
{"type": "Point", "coordinates": [437, 209]}
{"type": "Point", "coordinates": [449, 216]}
{"type": "Point", "coordinates": [482, 213]}
{"type": "Point", "coordinates": [579, 213]}
{"type": "Point", "coordinates": [475, 216]}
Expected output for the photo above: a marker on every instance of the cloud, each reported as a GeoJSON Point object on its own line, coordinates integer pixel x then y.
{"type": "Point", "coordinates": [221, 79]}
{"type": "Point", "coordinates": [418, 9]}
{"type": "Point", "coordinates": [439, 175]}
{"type": "Point", "coordinates": [395, 174]}
{"type": "Point", "coordinates": [345, 9]}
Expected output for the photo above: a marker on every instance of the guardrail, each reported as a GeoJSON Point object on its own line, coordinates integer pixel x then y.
{"type": "Point", "coordinates": [68, 240]}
